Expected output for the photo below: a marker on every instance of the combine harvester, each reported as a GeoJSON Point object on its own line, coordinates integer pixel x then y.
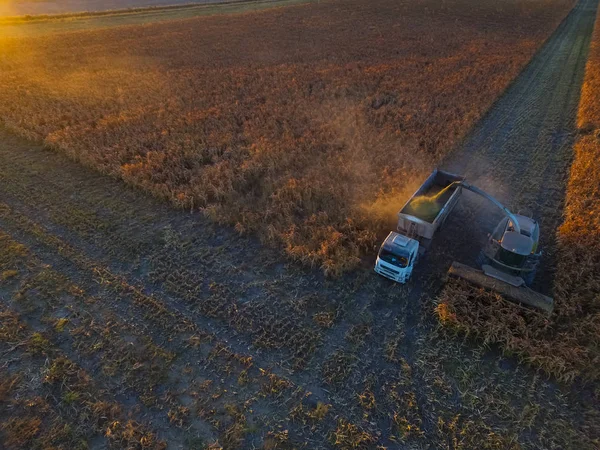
{"type": "Point", "coordinates": [508, 261]}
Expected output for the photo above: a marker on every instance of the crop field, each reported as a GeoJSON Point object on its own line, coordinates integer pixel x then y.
{"type": "Point", "coordinates": [566, 344]}
{"type": "Point", "coordinates": [44, 24]}
{"type": "Point", "coordinates": [253, 124]}
{"type": "Point", "coordinates": [35, 7]}
{"type": "Point", "coordinates": [128, 323]}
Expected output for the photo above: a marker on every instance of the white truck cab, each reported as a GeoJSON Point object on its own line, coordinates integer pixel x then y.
{"type": "Point", "coordinates": [397, 256]}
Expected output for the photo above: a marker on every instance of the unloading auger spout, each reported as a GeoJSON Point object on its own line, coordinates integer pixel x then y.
{"type": "Point", "coordinates": [487, 196]}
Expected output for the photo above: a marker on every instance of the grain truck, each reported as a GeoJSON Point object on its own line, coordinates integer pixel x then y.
{"type": "Point", "coordinates": [401, 249]}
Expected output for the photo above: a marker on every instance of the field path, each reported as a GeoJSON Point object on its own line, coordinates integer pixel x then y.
{"type": "Point", "coordinates": [521, 151]}
{"type": "Point", "coordinates": [99, 233]}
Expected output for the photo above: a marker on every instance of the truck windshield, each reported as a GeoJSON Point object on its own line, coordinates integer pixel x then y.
{"type": "Point", "coordinates": [391, 258]}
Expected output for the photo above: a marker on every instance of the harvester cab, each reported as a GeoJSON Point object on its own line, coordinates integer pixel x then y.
{"type": "Point", "coordinates": [510, 255]}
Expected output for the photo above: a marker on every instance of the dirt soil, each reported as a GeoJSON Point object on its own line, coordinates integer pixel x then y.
{"type": "Point", "coordinates": [249, 344]}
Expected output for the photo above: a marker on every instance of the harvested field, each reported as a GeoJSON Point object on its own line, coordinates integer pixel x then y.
{"type": "Point", "coordinates": [565, 345]}
{"type": "Point", "coordinates": [286, 123]}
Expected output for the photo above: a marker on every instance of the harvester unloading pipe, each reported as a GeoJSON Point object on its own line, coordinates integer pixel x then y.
{"type": "Point", "coordinates": [508, 261]}
{"type": "Point", "coordinates": [484, 194]}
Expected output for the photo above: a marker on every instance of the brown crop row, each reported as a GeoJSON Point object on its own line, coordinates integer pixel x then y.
{"type": "Point", "coordinates": [305, 125]}
{"type": "Point", "coordinates": [567, 344]}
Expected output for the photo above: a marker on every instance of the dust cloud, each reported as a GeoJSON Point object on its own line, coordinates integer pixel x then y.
{"type": "Point", "coordinates": [379, 170]}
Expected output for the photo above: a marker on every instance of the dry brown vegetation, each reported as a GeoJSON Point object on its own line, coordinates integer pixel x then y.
{"type": "Point", "coordinates": [307, 125]}
{"type": "Point", "coordinates": [567, 344]}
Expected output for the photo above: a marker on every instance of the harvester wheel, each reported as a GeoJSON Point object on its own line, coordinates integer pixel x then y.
{"type": "Point", "coordinates": [529, 277]}
{"type": "Point", "coordinates": [482, 259]}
